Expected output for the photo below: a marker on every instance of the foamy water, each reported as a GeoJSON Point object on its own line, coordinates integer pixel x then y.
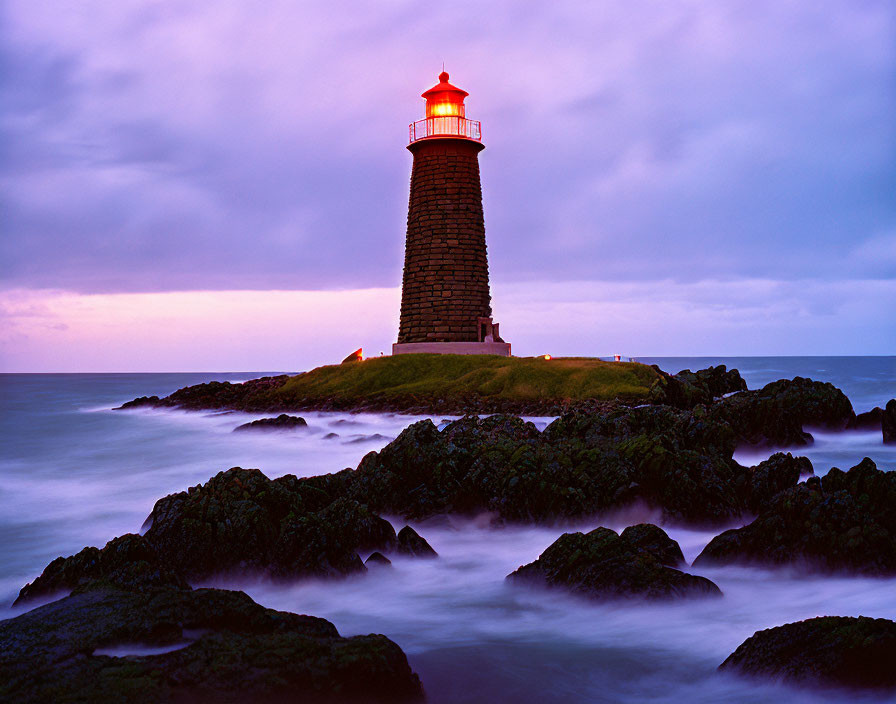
{"type": "Point", "coordinates": [75, 473]}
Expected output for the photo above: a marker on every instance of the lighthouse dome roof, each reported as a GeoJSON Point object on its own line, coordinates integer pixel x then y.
{"type": "Point", "coordinates": [443, 86]}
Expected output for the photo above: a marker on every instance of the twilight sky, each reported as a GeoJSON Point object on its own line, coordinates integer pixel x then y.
{"type": "Point", "coordinates": [209, 186]}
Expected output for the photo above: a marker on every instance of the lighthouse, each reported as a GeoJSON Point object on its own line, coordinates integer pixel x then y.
{"type": "Point", "coordinates": [445, 298]}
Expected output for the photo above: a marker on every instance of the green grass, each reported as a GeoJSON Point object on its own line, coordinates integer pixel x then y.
{"type": "Point", "coordinates": [466, 376]}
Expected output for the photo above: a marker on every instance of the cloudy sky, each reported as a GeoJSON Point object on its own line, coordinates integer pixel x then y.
{"type": "Point", "coordinates": [209, 186]}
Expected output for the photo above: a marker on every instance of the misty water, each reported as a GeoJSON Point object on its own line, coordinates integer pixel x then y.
{"type": "Point", "coordinates": [76, 473]}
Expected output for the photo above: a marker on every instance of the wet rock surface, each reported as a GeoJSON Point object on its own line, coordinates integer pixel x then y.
{"type": "Point", "coordinates": [238, 522]}
{"type": "Point", "coordinates": [888, 422]}
{"type": "Point", "coordinates": [223, 648]}
{"type": "Point", "coordinates": [409, 542]}
{"type": "Point", "coordinates": [776, 414]}
{"type": "Point", "coordinates": [378, 559]}
{"type": "Point", "coordinates": [603, 565]}
{"type": "Point", "coordinates": [653, 539]}
{"type": "Point", "coordinates": [829, 650]}
{"type": "Point", "coordinates": [141, 401]}
{"type": "Point", "coordinates": [281, 422]}
{"type": "Point", "coordinates": [583, 463]}
{"type": "Point", "coordinates": [688, 389]}
{"type": "Point", "coordinates": [842, 522]}
{"type": "Point", "coordinates": [129, 562]}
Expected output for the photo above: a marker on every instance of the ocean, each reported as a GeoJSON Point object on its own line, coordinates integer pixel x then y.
{"type": "Point", "coordinates": [73, 473]}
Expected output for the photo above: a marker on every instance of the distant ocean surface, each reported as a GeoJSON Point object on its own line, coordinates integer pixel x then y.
{"type": "Point", "coordinates": [75, 473]}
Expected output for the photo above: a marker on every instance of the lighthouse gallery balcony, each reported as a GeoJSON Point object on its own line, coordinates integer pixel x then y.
{"type": "Point", "coordinates": [445, 126]}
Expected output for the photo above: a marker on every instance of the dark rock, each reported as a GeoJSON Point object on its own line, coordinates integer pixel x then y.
{"type": "Point", "coordinates": [138, 402]}
{"type": "Point", "coordinates": [604, 565]}
{"type": "Point", "coordinates": [410, 543]}
{"type": "Point", "coordinates": [239, 521]}
{"type": "Point", "coordinates": [844, 521]}
{"type": "Point", "coordinates": [253, 395]}
{"type": "Point", "coordinates": [888, 423]}
{"type": "Point", "coordinates": [281, 422]}
{"type": "Point", "coordinates": [772, 476]}
{"type": "Point", "coordinates": [678, 460]}
{"type": "Point", "coordinates": [829, 650]}
{"type": "Point", "coordinates": [688, 389]}
{"type": "Point", "coordinates": [129, 562]}
{"type": "Point", "coordinates": [775, 414]}
{"type": "Point", "coordinates": [377, 558]}
{"type": "Point", "coordinates": [240, 652]}
{"type": "Point", "coordinates": [376, 437]}
{"type": "Point", "coordinates": [653, 539]}
{"type": "Point", "coordinates": [870, 420]}
{"type": "Point", "coordinates": [582, 464]}
{"type": "Point", "coordinates": [331, 436]}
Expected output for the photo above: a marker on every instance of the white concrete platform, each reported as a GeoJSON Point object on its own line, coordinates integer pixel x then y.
{"type": "Point", "coordinates": [499, 348]}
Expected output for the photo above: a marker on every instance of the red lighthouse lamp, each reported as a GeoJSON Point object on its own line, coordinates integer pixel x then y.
{"type": "Point", "coordinates": [445, 114]}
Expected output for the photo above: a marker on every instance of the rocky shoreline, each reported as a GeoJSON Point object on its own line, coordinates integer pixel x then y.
{"type": "Point", "coordinates": [674, 454]}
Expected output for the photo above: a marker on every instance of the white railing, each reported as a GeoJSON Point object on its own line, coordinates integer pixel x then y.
{"type": "Point", "coordinates": [446, 126]}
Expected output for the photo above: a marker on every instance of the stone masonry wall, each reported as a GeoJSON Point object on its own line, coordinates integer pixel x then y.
{"type": "Point", "coordinates": [445, 284]}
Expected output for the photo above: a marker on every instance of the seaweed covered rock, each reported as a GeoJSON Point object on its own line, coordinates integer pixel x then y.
{"type": "Point", "coordinates": [776, 414]}
{"type": "Point", "coordinates": [604, 565]}
{"type": "Point", "coordinates": [238, 521]}
{"type": "Point", "coordinates": [409, 542]}
{"type": "Point", "coordinates": [128, 562]}
{"type": "Point", "coordinates": [828, 650]}
{"type": "Point", "coordinates": [221, 647]}
{"type": "Point", "coordinates": [424, 472]}
{"type": "Point", "coordinates": [688, 389]}
{"type": "Point", "coordinates": [772, 476]}
{"type": "Point", "coordinates": [281, 422]}
{"type": "Point", "coordinates": [653, 539]}
{"type": "Point", "coordinates": [582, 464]}
{"type": "Point", "coordinates": [844, 521]}
{"type": "Point", "coordinates": [242, 521]}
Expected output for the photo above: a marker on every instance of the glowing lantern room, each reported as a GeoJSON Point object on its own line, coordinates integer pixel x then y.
{"type": "Point", "coordinates": [445, 114]}
{"type": "Point", "coordinates": [444, 99]}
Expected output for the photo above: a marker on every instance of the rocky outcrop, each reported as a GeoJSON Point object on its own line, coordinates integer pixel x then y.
{"type": "Point", "coordinates": [776, 414]}
{"type": "Point", "coordinates": [239, 521]}
{"type": "Point", "coordinates": [844, 522]}
{"type": "Point", "coordinates": [653, 539]}
{"type": "Point", "coordinates": [409, 542]}
{"type": "Point", "coordinates": [888, 422]}
{"type": "Point", "coordinates": [772, 476]}
{"type": "Point", "coordinates": [829, 650]}
{"type": "Point", "coordinates": [582, 464]}
{"type": "Point", "coordinates": [139, 402]}
{"type": "Point", "coordinates": [869, 420]}
{"type": "Point", "coordinates": [223, 647]}
{"type": "Point", "coordinates": [688, 389]}
{"type": "Point", "coordinates": [281, 422]}
{"type": "Point", "coordinates": [378, 559]}
{"type": "Point", "coordinates": [604, 565]}
{"type": "Point", "coordinates": [129, 562]}
{"type": "Point", "coordinates": [242, 521]}
{"type": "Point", "coordinates": [253, 395]}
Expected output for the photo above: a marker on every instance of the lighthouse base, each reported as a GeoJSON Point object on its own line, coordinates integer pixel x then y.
{"type": "Point", "coordinates": [499, 348]}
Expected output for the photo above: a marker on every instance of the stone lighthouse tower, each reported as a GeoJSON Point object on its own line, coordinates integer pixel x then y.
{"type": "Point", "coordinates": [445, 299]}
